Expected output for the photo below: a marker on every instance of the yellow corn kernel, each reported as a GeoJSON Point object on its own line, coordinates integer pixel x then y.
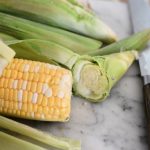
{"type": "Point", "coordinates": [2, 82]}
{"type": "Point", "coordinates": [22, 114]}
{"type": "Point", "coordinates": [6, 104]}
{"type": "Point", "coordinates": [8, 73]}
{"type": "Point", "coordinates": [25, 96]}
{"type": "Point", "coordinates": [24, 107]}
{"type": "Point", "coordinates": [18, 112]}
{"type": "Point", "coordinates": [32, 67]}
{"type": "Point", "coordinates": [39, 109]}
{"type": "Point", "coordinates": [15, 95]}
{"type": "Point", "coordinates": [35, 108]}
{"type": "Point", "coordinates": [10, 83]}
{"type": "Point", "coordinates": [5, 110]}
{"type": "Point", "coordinates": [46, 70]}
{"type": "Point", "coordinates": [15, 106]}
{"type": "Point", "coordinates": [51, 101]}
{"type": "Point", "coordinates": [30, 77]}
{"type": "Point", "coordinates": [1, 93]}
{"type": "Point", "coordinates": [11, 94]}
{"type": "Point", "coordinates": [33, 86]}
{"type": "Point", "coordinates": [36, 77]}
{"type": "Point", "coordinates": [40, 98]}
{"type": "Point", "coordinates": [6, 83]}
{"type": "Point", "coordinates": [30, 108]}
{"type": "Point", "coordinates": [52, 72]}
{"type": "Point", "coordinates": [11, 105]}
{"type": "Point", "coordinates": [51, 111]}
{"type": "Point", "coordinates": [37, 115]}
{"type": "Point", "coordinates": [19, 75]}
{"type": "Point", "coordinates": [21, 68]}
{"type": "Point", "coordinates": [42, 78]}
{"type": "Point", "coordinates": [14, 112]}
{"type": "Point", "coordinates": [1, 102]}
{"type": "Point", "coordinates": [30, 94]}
{"type": "Point", "coordinates": [55, 90]}
{"type": "Point", "coordinates": [44, 101]}
{"type": "Point", "coordinates": [29, 86]}
{"type": "Point", "coordinates": [41, 69]}
{"type": "Point", "coordinates": [25, 76]}
{"type": "Point", "coordinates": [45, 109]}
{"type": "Point", "coordinates": [14, 74]}
{"type": "Point", "coordinates": [6, 94]}
{"type": "Point", "coordinates": [19, 85]}
{"type": "Point", "coordinates": [39, 87]}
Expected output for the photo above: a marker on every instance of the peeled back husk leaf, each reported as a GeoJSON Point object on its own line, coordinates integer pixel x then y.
{"type": "Point", "coordinates": [94, 77]}
{"type": "Point", "coordinates": [136, 41]}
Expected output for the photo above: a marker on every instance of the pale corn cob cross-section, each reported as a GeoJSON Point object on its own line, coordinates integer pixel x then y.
{"type": "Point", "coordinates": [35, 90]}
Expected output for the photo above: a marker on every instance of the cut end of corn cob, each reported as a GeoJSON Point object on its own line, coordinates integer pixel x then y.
{"type": "Point", "coordinates": [94, 79]}
{"type": "Point", "coordinates": [35, 90]}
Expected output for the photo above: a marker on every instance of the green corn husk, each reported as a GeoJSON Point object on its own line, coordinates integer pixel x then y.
{"type": "Point", "coordinates": [44, 51]}
{"type": "Point", "coordinates": [8, 142]}
{"type": "Point", "coordinates": [24, 29]}
{"type": "Point", "coordinates": [62, 14]}
{"type": "Point", "coordinates": [39, 136]}
{"type": "Point", "coordinates": [137, 41]}
{"type": "Point", "coordinates": [6, 37]}
{"type": "Point", "coordinates": [93, 76]}
{"type": "Point", "coordinates": [81, 4]}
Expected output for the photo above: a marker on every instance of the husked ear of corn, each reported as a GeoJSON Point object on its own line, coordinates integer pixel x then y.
{"type": "Point", "coordinates": [35, 90]}
{"type": "Point", "coordinates": [62, 14]}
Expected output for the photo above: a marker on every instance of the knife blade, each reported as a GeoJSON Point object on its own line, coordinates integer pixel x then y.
{"type": "Point", "coordinates": [140, 16]}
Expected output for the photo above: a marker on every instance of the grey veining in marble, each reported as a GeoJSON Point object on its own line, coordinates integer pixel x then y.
{"type": "Point", "coordinates": [119, 122]}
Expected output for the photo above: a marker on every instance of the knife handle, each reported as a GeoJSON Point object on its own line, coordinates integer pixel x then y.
{"type": "Point", "coordinates": [147, 107]}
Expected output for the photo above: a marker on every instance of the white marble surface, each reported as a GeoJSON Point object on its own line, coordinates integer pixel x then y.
{"type": "Point", "coordinates": [119, 122]}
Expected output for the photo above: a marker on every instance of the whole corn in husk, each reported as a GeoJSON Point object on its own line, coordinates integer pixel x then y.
{"type": "Point", "coordinates": [93, 77]}
{"type": "Point", "coordinates": [44, 140]}
{"type": "Point", "coordinates": [62, 14]}
{"type": "Point", "coordinates": [24, 29]}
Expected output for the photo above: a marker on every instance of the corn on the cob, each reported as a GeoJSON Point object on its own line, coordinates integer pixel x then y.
{"type": "Point", "coordinates": [25, 29]}
{"type": "Point", "coordinates": [35, 90]}
{"type": "Point", "coordinates": [60, 13]}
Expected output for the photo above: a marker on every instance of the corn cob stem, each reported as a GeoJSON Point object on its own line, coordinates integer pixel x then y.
{"type": "Point", "coordinates": [8, 142]}
{"type": "Point", "coordinates": [50, 140]}
{"type": "Point", "coordinates": [25, 29]}
{"type": "Point", "coordinates": [60, 14]}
